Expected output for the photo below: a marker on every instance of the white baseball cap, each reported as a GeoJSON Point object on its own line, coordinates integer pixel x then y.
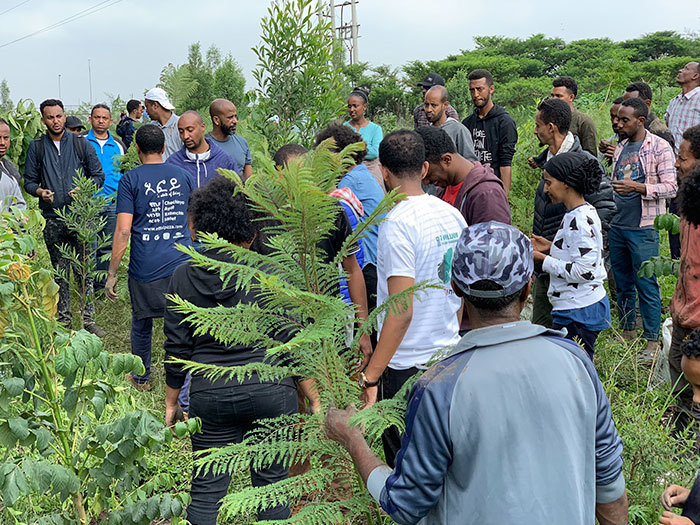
{"type": "Point", "coordinates": [159, 95]}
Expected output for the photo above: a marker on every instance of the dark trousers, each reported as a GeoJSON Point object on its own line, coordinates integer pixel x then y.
{"type": "Point", "coordinates": [227, 415]}
{"type": "Point", "coordinates": [56, 234]}
{"type": "Point", "coordinates": [109, 213]}
{"type": "Point", "coordinates": [674, 239]}
{"type": "Point", "coordinates": [370, 274]}
{"type": "Point", "coordinates": [541, 307]}
{"type": "Point", "coordinates": [581, 335]}
{"type": "Point", "coordinates": [686, 410]}
{"type": "Point", "coordinates": [390, 383]}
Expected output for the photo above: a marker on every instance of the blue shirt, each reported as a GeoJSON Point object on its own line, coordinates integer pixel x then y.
{"type": "Point", "coordinates": [237, 147]}
{"type": "Point", "coordinates": [157, 196]}
{"type": "Point", "coordinates": [629, 205]}
{"type": "Point", "coordinates": [372, 134]}
{"type": "Point", "coordinates": [366, 188]}
{"type": "Point", "coordinates": [106, 154]}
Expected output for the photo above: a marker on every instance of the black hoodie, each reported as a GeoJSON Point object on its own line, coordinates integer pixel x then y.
{"type": "Point", "coordinates": [494, 137]}
{"type": "Point", "coordinates": [204, 288]}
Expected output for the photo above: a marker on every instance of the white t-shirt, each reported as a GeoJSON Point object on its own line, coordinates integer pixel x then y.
{"type": "Point", "coordinates": [417, 239]}
{"type": "Point", "coordinates": [58, 145]}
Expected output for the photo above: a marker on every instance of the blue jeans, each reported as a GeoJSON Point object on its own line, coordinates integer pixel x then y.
{"type": "Point", "coordinates": [141, 334]}
{"type": "Point", "coordinates": [228, 414]}
{"type": "Point", "coordinates": [109, 213]}
{"type": "Point", "coordinates": [628, 250]}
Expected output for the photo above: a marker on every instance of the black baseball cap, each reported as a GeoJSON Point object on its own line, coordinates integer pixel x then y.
{"type": "Point", "coordinates": [433, 79]}
{"type": "Point", "coordinates": [74, 123]}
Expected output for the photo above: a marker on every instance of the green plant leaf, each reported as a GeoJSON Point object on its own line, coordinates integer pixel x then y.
{"type": "Point", "coordinates": [43, 438]}
{"type": "Point", "coordinates": [65, 362]}
{"type": "Point", "coordinates": [14, 385]}
{"type": "Point", "coordinates": [180, 429]}
{"type": "Point", "coordinates": [7, 437]}
{"type": "Point", "coordinates": [14, 485]}
{"type": "Point", "coordinates": [166, 506]}
{"type": "Point", "coordinates": [19, 427]}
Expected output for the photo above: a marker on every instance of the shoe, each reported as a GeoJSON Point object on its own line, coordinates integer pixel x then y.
{"type": "Point", "coordinates": [141, 387]}
{"type": "Point", "coordinates": [630, 335]}
{"type": "Point", "coordinates": [94, 329]}
{"type": "Point", "coordinates": [649, 353]}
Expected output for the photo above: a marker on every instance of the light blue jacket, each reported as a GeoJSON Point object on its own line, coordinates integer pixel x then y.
{"type": "Point", "coordinates": [106, 155]}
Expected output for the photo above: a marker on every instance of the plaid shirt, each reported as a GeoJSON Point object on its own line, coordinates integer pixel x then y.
{"type": "Point", "coordinates": [683, 112]}
{"type": "Point", "coordinates": [657, 159]}
{"type": "Point", "coordinates": [420, 119]}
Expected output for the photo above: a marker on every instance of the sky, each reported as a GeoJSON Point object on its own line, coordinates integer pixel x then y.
{"type": "Point", "coordinates": [126, 43]}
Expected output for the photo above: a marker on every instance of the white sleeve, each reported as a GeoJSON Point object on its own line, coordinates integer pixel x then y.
{"type": "Point", "coordinates": [399, 250]}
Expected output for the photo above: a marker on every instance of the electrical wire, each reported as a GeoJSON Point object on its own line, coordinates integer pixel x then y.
{"type": "Point", "coordinates": [80, 14]}
{"type": "Point", "coordinates": [12, 8]}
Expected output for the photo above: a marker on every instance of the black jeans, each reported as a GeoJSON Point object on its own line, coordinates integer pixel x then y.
{"type": "Point", "coordinates": [370, 274]}
{"type": "Point", "coordinates": [227, 415]}
{"type": "Point", "coordinates": [580, 334]}
{"type": "Point", "coordinates": [390, 383]}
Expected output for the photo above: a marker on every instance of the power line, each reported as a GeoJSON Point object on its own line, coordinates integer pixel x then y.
{"type": "Point", "coordinates": [15, 7]}
{"type": "Point", "coordinates": [80, 14]}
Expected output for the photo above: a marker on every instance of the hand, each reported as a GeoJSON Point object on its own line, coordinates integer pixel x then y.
{"type": "Point", "coordinates": [628, 186]}
{"type": "Point", "coordinates": [532, 164]}
{"type": "Point", "coordinates": [369, 396]}
{"type": "Point", "coordinates": [540, 244]}
{"type": "Point", "coordinates": [111, 288]}
{"type": "Point", "coordinates": [71, 193]}
{"type": "Point", "coordinates": [173, 414]}
{"type": "Point", "coordinates": [45, 195]}
{"type": "Point", "coordinates": [674, 496]}
{"type": "Point", "coordinates": [337, 427]}
{"type": "Point", "coordinates": [603, 145]}
{"type": "Point", "coordinates": [607, 149]}
{"type": "Point", "coordinates": [669, 518]}
{"type": "Point", "coordinates": [539, 256]}
{"type": "Point", "coordinates": [366, 348]}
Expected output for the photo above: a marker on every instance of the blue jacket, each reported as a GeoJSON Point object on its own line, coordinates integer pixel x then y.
{"type": "Point", "coordinates": [512, 426]}
{"type": "Point", "coordinates": [203, 171]}
{"type": "Point", "coordinates": [106, 154]}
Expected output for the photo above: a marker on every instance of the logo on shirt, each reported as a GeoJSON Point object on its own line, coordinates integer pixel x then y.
{"type": "Point", "coordinates": [445, 267]}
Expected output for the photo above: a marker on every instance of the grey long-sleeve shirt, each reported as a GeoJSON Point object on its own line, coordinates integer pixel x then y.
{"type": "Point", "coordinates": [460, 135]}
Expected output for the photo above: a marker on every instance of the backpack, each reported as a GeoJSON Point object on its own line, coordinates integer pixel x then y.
{"type": "Point", "coordinates": [78, 145]}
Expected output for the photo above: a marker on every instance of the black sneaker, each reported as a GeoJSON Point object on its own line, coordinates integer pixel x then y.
{"type": "Point", "coordinates": [94, 329]}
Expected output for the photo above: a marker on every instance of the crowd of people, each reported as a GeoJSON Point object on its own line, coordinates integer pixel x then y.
{"type": "Point", "coordinates": [477, 419]}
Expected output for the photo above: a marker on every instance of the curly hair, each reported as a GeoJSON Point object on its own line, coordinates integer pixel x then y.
{"type": "Point", "coordinates": [437, 142]}
{"type": "Point", "coordinates": [402, 152]}
{"type": "Point", "coordinates": [692, 135]}
{"type": "Point", "coordinates": [645, 92]}
{"type": "Point", "coordinates": [287, 152]}
{"type": "Point", "coordinates": [689, 196]}
{"type": "Point", "coordinates": [691, 346]}
{"type": "Point", "coordinates": [215, 208]}
{"type": "Point", "coordinates": [343, 136]}
{"type": "Point", "coordinates": [150, 139]}
{"type": "Point", "coordinates": [555, 111]}
{"type": "Point", "coordinates": [567, 82]}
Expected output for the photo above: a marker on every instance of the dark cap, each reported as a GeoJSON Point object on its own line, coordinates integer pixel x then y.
{"type": "Point", "coordinates": [74, 123]}
{"type": "Point", "coordinates": [433, 79]}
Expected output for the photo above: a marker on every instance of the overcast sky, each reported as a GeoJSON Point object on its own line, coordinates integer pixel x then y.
{"type": "Point", "coordinates": [130, 41]}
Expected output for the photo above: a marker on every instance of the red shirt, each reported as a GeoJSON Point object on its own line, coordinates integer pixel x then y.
{"type": "Point", "coordinates": [451, 193]}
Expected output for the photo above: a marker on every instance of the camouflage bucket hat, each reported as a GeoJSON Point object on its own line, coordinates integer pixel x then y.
{"type": "Point", "coordinates": [492, 251]}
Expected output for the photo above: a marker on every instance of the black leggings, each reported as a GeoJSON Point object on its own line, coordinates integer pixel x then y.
{"type": "Point", "coordinates": [227, 414]}
{"type": "Point", "coordinates": [581, 335]}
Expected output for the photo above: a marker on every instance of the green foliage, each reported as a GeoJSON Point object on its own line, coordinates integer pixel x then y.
{"type": "Point", "coordinates": [299, 89]}
{"type": "Point", "coordinates": [59, 440]}
{"type": "Point", "coordinates": [662, 265]}
{"type": "Point", "coordinates": [299, 293]}
{"type": "Point", "coordinates": [6, 104]}
{"type": "Point", "coordinates": [229, 82]}
{"type": "Point", "coordinates": [179, 83]}
{"type": "Point", "coordinates": [25, 125]}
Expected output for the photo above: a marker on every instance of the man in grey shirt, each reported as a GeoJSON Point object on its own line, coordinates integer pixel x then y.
{"type": "Point", "coordinates": [511, 425]}
{"type": "Point", "coordinates": [160, 110]}
{"type": "Point", "coordinates": [224, 120]}
{"type": "Point", "coordinates": [437, 99]}
{"type": "Point", "coordinates": [10, 192]}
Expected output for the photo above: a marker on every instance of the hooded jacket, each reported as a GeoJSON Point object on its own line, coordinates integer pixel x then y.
{"type": "Point", "coordinates": [56, 170]}
{"type": "Point", "coordinates": [203, 170]}
{"type": "Point", "coordinates": [548, 216]}
{"type": "Point", "coordinates": [126, 129]}
{"type": "Point", "coordinates": [107, 154]}
{"type": "Point", "coordinates": [204, 288]}
{"type": "Point", "coordinates": [494, 136]}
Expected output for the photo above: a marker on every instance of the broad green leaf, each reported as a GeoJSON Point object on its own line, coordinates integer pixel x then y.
{"type": "Point", "coordinates": [43, 438]}
{"type": "Point", "coordinates": [7, 437]}
{"type": "Point", "coordinates": [65, 362]}
{"type": "Point", "coordinates": [13, 385]}
{"type": "Point", "coordinates": [180, 429]}
{"type": "Point", "coordinates": [13, 486]}
{"type": "Point", "coordinates": [98, 401]}
{"type": "Point", "coordinates": [166, 507]}
{"type": "Point", "coordinates": [19, 427]}
{"type": "Point", "coordinates": [176, 507]}
{"type": "Point", "coordinates": [152, 508]}
{"type": "Point", "coordinates": [70, 399]}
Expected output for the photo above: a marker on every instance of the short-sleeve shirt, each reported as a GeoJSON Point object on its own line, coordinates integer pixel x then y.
{"type": "Point", "coordinates": [237, 147]}
{"type": "Point", "coordinates": [157, 195]}
{"type": "Point", "coordinates": [172, 135]}
{"type": "Point", "coordinates": [629, 205]}
{"type": "Point", "coordinates": [417, 240]}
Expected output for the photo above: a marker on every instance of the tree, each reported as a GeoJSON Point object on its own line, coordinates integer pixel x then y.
{"type": "Point", "coordinates": [229, 82]}
{"type": "Point", "coordinates": [5, 100]}
{"type": "Point", "coordinates": [179, 83]}
{"type": "Point", "coordinates": [202, 74]}
{"type": "Point", "coordinates": [299, 89]}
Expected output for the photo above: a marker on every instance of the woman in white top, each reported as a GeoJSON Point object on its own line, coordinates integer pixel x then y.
{"type": "Point", "coordinates": [574, 259]}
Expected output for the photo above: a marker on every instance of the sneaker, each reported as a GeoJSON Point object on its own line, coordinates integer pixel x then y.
{"type": "Point", "coordinates": [141, 387]}
{"type": "Point", "coordinates": [94, 329]}
{"type": "Point", "coordinates": [649, 353]}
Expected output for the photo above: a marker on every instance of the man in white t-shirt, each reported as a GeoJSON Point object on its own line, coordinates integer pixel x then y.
{"type": "Point", "coordinates": [416, 244]}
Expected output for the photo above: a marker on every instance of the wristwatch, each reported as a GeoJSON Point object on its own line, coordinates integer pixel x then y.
{"type": "Point", "coordinates": [364, 383]}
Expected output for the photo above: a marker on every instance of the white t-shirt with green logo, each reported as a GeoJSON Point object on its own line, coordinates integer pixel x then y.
{"type": "Point", "coordinates": [417, 239]}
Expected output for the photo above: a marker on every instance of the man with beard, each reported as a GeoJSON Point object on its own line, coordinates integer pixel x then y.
{"type": "Point", "coordinates": [10, 192]}
{"type": "Point", "coordinates": [224, 120]}
{"type": "Point", "coordinates": [200, 156]}
{"type": "Point", "coordinates": [161, 112]}
{"type": "Point", "coordinates": [49, 173]}
{"type": "Point", "coordinates": [643, 178]}
{"type": "Point", "coordinates": [436, 101]}
{"type": "Point", "coordinates": [493, 130]}
{"type": "Point", "coordinates": [683, 111]}
{"type": "Point", "coordinates": [607, 146]}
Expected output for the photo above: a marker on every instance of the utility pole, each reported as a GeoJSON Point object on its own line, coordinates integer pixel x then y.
{"type": "Point", "coordinates": [353, 32]}
{"type": "Point", "coordinates": [90, 78]}
{"type": "Point", "coordinates": [59, 87]}
{"type": "Point", "coordinates": [347, 32]}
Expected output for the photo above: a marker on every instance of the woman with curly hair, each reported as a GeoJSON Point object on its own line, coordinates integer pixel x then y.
{"type": "Point", "coordinates": [574, 259]}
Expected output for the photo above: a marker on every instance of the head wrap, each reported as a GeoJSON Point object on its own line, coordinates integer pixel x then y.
{"type": "Point", "coordinates": [579, 170]}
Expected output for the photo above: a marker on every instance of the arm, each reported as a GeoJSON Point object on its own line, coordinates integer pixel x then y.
{"type": "Point", "coordinates": [247, 171]}
{"type": "Point", "coordinates": [393, 330]}
{"type": "Point", "coordinates": [614, 513]}
{"type": "Point", "coordinates": [358, 295]}
{"type": "Point", "coordinates": [506, 151]}
{"type": "Point", "coordinates": [665, 171]}
{"type": "Point", "coordinates": [487, 202]}
{"type": "Point", "coordinates": [17, 194]}
{"type": "Point", "coordinates": [506, 175]}
{"type": "Point", "coordinates": [374, 141]}
{"type": "Point", "coordinates": [122, 232]}
{"type": "Point", "coordinates": [466, 144]}
{"type": "Point", "coordinates": [582, 266]}
{"type": "Point", "coordinates": [588, 137]}
{"type": "Point", "coordinates": [93, 164]}
{"type": "Point", "coordinates": [248, 164]}
{"type": "Point", "coordinates": [31, 171]}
